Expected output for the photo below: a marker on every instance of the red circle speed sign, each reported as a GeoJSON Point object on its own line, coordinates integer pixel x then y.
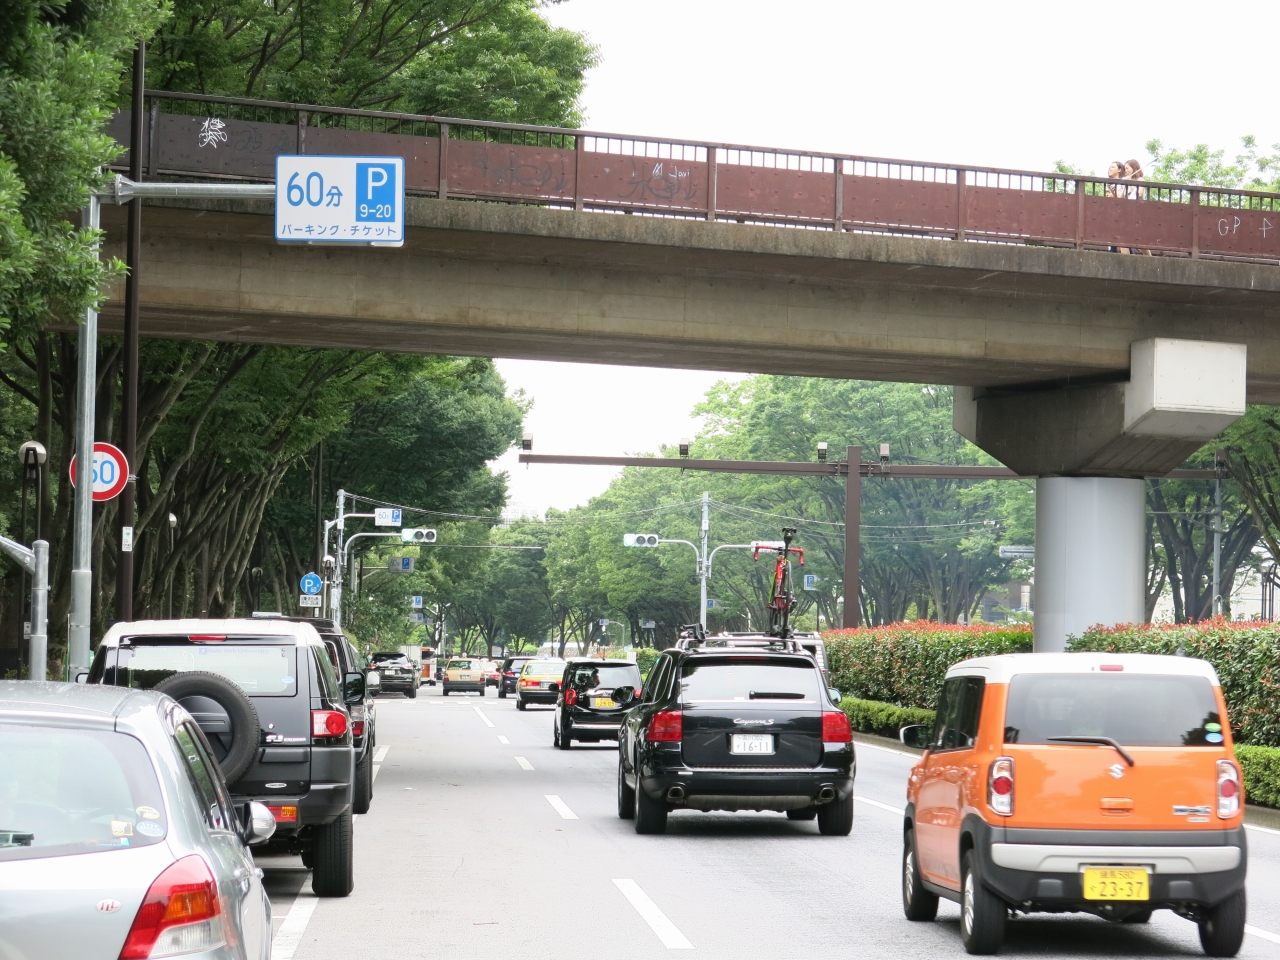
{"type": "Point", "coordinates": [110, 471]}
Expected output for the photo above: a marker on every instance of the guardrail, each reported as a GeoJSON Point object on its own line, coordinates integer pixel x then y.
{"type": "Point", "coordinates": [239, 139]}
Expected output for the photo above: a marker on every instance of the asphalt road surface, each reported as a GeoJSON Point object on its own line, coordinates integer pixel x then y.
{"type": "Point", "coordinates": [484, 841]}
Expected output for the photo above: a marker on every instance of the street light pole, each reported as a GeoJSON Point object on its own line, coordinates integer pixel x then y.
{"type": "Point", "coordinates": [704, 561]}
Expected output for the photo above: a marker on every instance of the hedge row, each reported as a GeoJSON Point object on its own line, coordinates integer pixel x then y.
{"type": "Point", "coordinates": [904, 663]}
{"type": "Point", "coordinates": [868, 716]}
{"type": "Point", "coordinates": [1261, 768]}
{"type": "Point", "coordinates": [1246, 656]}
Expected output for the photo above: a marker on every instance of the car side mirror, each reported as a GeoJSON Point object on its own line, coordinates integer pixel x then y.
{"type": "Point", "coordinates": [835, 695]}
{"type": "Point", "coordinates": [624, 695]}
{"type": "Point", "coordinates": [915, 735]}
{"type": "Point", "coordinates": [353, 688]}
{"type": "Point", "coordinates": [257, 823]}
{"type": "Point", "coordinates": [82, 676]}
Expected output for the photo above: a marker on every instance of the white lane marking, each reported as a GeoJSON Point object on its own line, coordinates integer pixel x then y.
{"type": "Point", "coordinates": [376, 768]}
{"type": "Point", "coordinates": [876, 803]}
{"type": "Point", "coordinates": [1254, 826]}
{"type": "Point", "coordinates": [502, 739]}
{"type": "Point", "coordinates": [667, 932]}
{"type": "Point", "coordinates": [524, 764]}
{"type": "Point", "coordinates": [480, 714]}
{"type": "Point", "coordinates": [287, 938]}
{"type": "Point", "coordinates": [380, 754]}
{"type": "Point", "coordinates": [1263, 934]}
{"type": "Point", "coordinates": [562, 808]}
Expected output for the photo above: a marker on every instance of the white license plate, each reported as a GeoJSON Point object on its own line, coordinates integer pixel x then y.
{"type": "Point", "coordinates": [751, 743]}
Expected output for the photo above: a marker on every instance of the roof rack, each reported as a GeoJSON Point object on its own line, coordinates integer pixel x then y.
{"type": "Point", "coordinates": [754, 642]}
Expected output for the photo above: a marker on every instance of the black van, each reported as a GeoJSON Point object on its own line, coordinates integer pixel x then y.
{"type": "Point", "coordinates": [266, 695]}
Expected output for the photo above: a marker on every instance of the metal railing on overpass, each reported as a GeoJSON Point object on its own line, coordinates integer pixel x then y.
{"type": "Point", "coordinates": [239, 139]}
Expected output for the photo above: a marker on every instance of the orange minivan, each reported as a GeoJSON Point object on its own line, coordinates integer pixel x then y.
{"type": "Point", "coordinates": [1088, 782]}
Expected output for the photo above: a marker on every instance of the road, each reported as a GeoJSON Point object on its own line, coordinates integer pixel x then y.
{"type": "Point", "coordinates": [465, 854]}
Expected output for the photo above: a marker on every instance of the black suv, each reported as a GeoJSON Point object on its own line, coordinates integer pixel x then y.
{"type": "Point", "coordinates": [509, 673]}
{"type": "Point", "coordinates": [585, 708]}
{"type": "Point", "coordinates": [397, 672]}
{"type": "Point", "coordinates": [736, 723]}
{"type": "Point", "coordinates": [266, 695]}
{"type": "Point", "coordinates": [346, 659]}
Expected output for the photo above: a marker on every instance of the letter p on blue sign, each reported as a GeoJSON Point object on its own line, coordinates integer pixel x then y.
{"type": "Point", "coordinates": [376, 192]}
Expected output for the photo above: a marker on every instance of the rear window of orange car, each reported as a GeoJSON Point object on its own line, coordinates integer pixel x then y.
{"type": "Point", "coordinates": [1132, 709]}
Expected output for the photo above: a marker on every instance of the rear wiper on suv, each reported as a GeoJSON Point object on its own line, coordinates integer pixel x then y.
{"type": "Point", "coordinates": [774, 695]}
{"type": "Point", "coordinates": [1100, 741]}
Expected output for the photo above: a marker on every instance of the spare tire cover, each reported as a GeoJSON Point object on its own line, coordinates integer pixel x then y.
{"type": "Point", "coordinates": [227, 717]}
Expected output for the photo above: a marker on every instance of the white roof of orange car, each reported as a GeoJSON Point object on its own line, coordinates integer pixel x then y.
{"type": "Point", "coordinates": [1000, 669]}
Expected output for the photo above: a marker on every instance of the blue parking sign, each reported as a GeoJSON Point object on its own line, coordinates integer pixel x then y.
{"type": "Point", "coordinates": [376, 192]}
{"type": "Point", "coordinates": [311, 584]}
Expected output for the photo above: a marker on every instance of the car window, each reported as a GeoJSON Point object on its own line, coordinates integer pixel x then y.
{"type": "Point", "coordinates": [543, 668]}
{"type": "Point", "coordinates": [65, 791]}
{"type": "Point", "coordinates": [655, 686]}
{"type": "Point", "coordinates": [335, 658]}
{"type": "Point", "coordinates": [202, 773]}
{"type": "Point", "coordinates": [732, 680]}
{"type": "Point", "coordinates": [459, 665]}
{"type": "Point", "coordinates": [959, 710]}
{"type": "Point", "coordinates": [330, 685]}
{"type": "Point", "coordinates": [589, 676]}
{"type": "Point", "coordinates": [268, 669]}
{"type": "Point", "coordinates": [1132, 709]}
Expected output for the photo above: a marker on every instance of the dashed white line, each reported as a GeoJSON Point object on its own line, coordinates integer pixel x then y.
{"type": "Point", "coordinates": [1254, 826]}
{"type": "Point", "coordinates": [376, 768]}
{"type": "Point", "coordinates": [1262, 934]}
{"type": "Point", "coordinates": [480, 714]}
{"type": "Point", "coordinates": [502, 739]}
{"type": "Point", "coordinates": [876, 803]}
{"type": "Point", "coordinates": [380, 754]}
{"type": "Point", "coordinates": [287, 938]}
{"type": "Point", "coordinates": [562, 808]}
{"type": "Point", "coordinates": [667, 931]}
{"type": "Point", "coordinates": [524, 764]}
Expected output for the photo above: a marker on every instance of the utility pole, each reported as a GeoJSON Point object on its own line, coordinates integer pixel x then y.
{"type": "Point", "coordinates": [702, 561]}
{"type": "Point", "coordinates": [129, 393]}
{"type": "Point", "coordinates": [851, 615]}
{"type": "Point", "coordinates": [1219, 465]}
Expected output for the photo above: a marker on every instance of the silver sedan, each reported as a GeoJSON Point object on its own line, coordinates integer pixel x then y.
{"type": "Point", "coordinates": [117, 836]}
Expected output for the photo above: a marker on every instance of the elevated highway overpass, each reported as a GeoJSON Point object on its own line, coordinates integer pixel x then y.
{"type": "Point", "coordinates": [1073, 361]}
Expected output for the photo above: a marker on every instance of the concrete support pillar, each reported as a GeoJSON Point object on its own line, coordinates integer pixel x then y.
{"type": "Point", "coordinates": [1090, 556]}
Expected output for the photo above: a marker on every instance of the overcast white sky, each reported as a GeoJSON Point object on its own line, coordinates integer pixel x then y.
{"type": "Point", "coordinates": [1008, 84]}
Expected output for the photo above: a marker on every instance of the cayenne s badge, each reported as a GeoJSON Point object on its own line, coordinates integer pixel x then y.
{"type": "Point", "coordinates": [1116, 770]}
{"type": "Point", "coordinates": [108, 905]}
{"type": "Point", "coordinates": [752, 723]}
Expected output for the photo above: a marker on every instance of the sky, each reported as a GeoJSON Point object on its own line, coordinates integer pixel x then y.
{"type": "Point", "coordinates": [1004, 84]}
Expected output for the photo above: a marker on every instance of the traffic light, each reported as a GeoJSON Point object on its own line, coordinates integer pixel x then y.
{"type": "Point", "coordinates": [640, 540]}
{"type": "Point", "coordinates": [417, 535]}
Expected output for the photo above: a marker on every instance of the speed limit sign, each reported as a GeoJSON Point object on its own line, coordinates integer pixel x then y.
{"type": "Point", "coordinates": [110, 471]}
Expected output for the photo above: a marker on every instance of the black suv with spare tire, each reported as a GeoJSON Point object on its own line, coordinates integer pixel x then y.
{"type": "Point", "coordinates": [735, 722]}
{"type": "Point", "coordinates": [266, 695]}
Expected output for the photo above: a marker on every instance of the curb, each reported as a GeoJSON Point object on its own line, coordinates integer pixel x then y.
{"type": "Point", "coordinates": [1262, 816]}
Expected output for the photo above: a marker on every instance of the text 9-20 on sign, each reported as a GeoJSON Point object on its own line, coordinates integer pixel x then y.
{"type": "Point", "coordinates": [345, 200]}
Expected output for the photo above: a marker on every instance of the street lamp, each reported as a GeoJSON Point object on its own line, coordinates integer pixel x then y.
{"type": "Point", "coordinates": [173, 526]}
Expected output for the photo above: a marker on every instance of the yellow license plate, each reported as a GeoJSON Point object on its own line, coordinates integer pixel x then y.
{"type": "Point", "coordinates": [1116, 883]}
{"type": "Point", "coordinates": [602, 702]}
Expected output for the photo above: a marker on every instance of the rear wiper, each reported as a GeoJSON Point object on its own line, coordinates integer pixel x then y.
{"type": "Point", "coordinates": [773, 695]}
{"type": "Point", "coordinates": [1100, 741]}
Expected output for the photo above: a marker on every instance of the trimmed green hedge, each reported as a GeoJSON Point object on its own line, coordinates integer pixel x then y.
{"type": "Point", "coordinates": [869, 716]}
{"type": "Point", "coordinates": [1261, 768]}
{"type": "Point", "coordinates": [904, 663]}
{"type": "Point", "coordinates": [1246, 656]}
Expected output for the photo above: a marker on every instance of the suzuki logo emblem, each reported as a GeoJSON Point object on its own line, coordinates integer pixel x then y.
{"type": "Point", "coordinates": [751, 723]}
{"type": "Point", "coordinates": [1116, 770]}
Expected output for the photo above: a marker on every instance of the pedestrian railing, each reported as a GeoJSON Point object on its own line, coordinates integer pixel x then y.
{"type": "Point", "coordinates": [239, 139]}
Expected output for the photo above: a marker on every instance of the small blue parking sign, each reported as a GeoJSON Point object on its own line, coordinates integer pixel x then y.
{"type": "Point", "coordinates": [347, 200]}
{"type": "Point", "coordinates": [311, 584]}
{"type": "Point", "coordinates": [376, 192]}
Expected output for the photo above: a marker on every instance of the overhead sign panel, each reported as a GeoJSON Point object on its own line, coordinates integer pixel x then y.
{"type": "Point", "coordinates": [345, 200]}
{"type": "Point", "coordinates": [386, 517]}
{"type": "Point", "coordinates": [400, 564]}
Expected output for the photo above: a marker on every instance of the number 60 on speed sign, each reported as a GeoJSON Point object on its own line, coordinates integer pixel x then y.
{"type": "Point", "coordinates": [346, 200]}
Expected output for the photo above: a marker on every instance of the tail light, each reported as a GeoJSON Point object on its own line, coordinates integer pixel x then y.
{"type": "Point", "coordinates": [1000, 787]}
{"type": "Point", "coordinates": [508, 673]}
{"type": "Point", "coordinates": [287, 813]}
{"type": "Point", "coordinates": [835, 727]}
{"type": "Point", "coordinates": [528, 683]}
{"type": "Point", "coordinates": [357, 728]}
{"type": "Point", "coordinates": [667, 726]}
{"type": "Point", "coordinates": [328, 723]}
{"type": "Point", "coordinates": [570, 697]}
{"type": "Point", "coordinates": [639, 691]}
{"type": "Point", "coordinates": [1228, 789]}
{"type": "Point", "coordinates": [180, 913]}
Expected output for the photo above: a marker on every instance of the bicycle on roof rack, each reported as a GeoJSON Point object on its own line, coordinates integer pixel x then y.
{"type": "Point", "coordinates": [782, 598]}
